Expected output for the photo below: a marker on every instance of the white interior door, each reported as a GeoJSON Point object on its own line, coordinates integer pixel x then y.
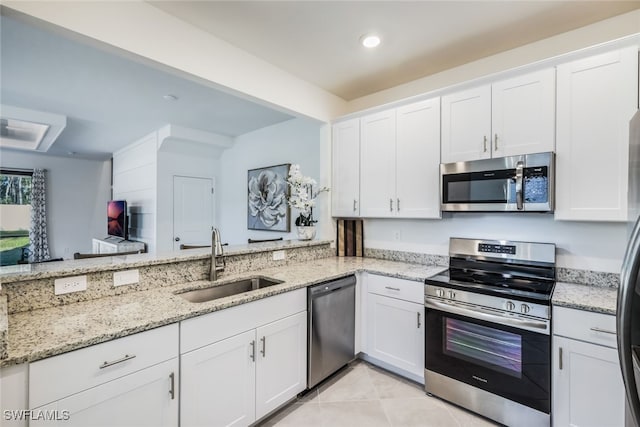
{"type": "Point", "coordinates": [192, 211]}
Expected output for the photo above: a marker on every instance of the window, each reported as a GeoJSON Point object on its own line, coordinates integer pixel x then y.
{"type": "Point", "coordinates": [15, 216]}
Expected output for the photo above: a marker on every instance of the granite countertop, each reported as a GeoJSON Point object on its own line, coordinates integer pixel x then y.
{"type": "Point", "coordinates": [21, 272]}
{"type": "Point", "coordinates": [584, 297]}
{"type": "Point", "coordinates": [42, 333]}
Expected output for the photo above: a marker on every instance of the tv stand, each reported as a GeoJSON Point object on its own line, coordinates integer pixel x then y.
{"type": "Point", "coordinates": [113, 244]}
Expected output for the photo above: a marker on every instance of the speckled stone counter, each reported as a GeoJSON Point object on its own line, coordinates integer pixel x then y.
{"type": "Point", "coordinates": [585, 297]}
{"type": "Point", "coordinates": [41, 333]}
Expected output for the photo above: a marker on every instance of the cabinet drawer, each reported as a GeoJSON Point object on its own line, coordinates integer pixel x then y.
{"type": "Point", "coordinates": [406, 290]}
{"type": "Point", "coordinates": [586, 326]}
{"type": "Point", "coordinates": [213, 327]}
{"type": "Point", "coordinates": [60, 376]}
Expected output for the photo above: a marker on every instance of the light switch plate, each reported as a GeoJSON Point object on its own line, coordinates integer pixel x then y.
{"type": "Point", "coordinates": [278, 255]}
{"type": "Point", "coordinates": [67, 285]}
{"type": "Point", "coordinates": [127, 277]}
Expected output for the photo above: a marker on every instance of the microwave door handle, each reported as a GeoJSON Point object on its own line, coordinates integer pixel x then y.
{"type": "Point", "coordinates": [519, 179]}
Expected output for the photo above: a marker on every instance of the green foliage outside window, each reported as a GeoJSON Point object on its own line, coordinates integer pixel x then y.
{"type": "Point", "coordinates": [15, 190]}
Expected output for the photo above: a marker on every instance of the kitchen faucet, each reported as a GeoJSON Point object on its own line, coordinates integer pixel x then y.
{"type": "Point", "coordinates": [216, 252]}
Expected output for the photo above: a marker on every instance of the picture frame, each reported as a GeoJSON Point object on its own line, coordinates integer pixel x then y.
{"type": "Point", "coordinates": [267, 199]}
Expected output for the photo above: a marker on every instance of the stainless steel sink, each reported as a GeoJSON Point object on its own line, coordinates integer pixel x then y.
{"type": "Point", "coordinates": [228, 289]}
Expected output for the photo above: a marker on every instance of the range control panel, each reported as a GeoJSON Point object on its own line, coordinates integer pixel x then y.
{"type": "Point", "coordinates": [496, 249]}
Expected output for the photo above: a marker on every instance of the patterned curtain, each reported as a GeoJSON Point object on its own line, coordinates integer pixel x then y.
{"type": "Point", "coordinates": [38, 233]}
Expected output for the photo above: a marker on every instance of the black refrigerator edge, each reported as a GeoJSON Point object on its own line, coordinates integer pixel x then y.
{"type": "Point", "coordinates": [628, 304]}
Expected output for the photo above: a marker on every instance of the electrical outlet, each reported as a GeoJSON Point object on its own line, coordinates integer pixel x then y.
{"type": "Point", "coordinates": [127, 277]}
{"type": "Point", "coordinates": [70, 284]}
{"type": "Point", "coordinates": [278, 255]}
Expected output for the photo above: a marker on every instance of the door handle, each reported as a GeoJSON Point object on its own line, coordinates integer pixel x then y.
{"type": "Point", "coordinates": [560, 358]}
{"type": "Point", "coordinates": [398, 205]}
{"type": "Point", "coordinates": [253, 350]}
{"type": "Point", "coordinates": [495, 142]}
{"type": "Point", "coordinates": [355, 205]}
{"type": "Point", "coordinates": [604, 331]}
{"type": "Point", "coordinates": [264, 346]}
{"type": "Point", "coordinates": [419, 324]}
{"type": "Point", "coordinates": [172, 385]}
{"type": "Point", "coordinates": [484, 144]}
{"type": "Point", "coordinates": [390, 205]}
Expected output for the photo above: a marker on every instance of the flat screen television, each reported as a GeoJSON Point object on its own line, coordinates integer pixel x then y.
{"type": "Point", "coordinates": [117, 218]}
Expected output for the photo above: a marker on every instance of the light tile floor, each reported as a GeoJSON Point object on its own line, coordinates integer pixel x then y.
{"type": "Point", "coordinates": [364, 395]}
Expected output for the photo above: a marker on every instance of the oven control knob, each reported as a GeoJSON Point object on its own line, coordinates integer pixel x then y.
{"type": "Point", "coordinates": [510, 306]}
{"type": "Point", "coordinates": [452, 295]}
{"type": "Point", "coordinates": [524, 308]}
{"type": "Point", "coordinates": [439, 293]}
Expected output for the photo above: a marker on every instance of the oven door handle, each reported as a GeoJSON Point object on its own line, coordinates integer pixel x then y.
{"type": "Point", "coordinates": [483, 314]}
{"type": "Point", "coordinates": [519, 182]}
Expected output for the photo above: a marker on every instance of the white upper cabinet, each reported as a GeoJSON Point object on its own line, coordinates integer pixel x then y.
{"type": "Point", "coordinates": [345, 188]}
{"type": "Point", "coordinates": [466, 125]}
{"type": "Point", "coordinates": [399, 162]}
{"type": "Point", "coordinates": [509, 117]}
{"type": "Point", "coordinates": [596, 98]}
{"type": "Point", "coordinates": [418, 160]}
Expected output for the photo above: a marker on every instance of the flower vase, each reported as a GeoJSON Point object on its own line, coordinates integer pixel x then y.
{"type": "Point", "coordinates": [306, 232]}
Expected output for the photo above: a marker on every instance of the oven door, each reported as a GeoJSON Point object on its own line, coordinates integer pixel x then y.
{"type": "Point", "coordinates": [504, 360]}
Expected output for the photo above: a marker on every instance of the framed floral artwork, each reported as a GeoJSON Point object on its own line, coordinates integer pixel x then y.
{"type": "Point", "coordinates": [267, 207]}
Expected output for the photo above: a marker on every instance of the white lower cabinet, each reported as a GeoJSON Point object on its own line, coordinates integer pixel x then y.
{"type": "Point", "coordinates": [147, 398]}
{"type": "Point", "coordinates": [587, 383]}
{"type": "Point", "coordinates": [395, 325]}
{"type": "Point", "coordinates": [130, 381]}
{"type": "Point", "coordinates": [244, 376]}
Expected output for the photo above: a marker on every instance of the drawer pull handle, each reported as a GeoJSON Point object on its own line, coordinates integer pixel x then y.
{"type": "Point", "coordinates": [172, 387]}
{"type": "Point", "coordinates": [115, 362]}
{"type": "Point", "coordinates": [264, 346]}
{"type": "Point", "coordinates": [392, 289]}
{"type": "Point", "coordinates": [604, 331]}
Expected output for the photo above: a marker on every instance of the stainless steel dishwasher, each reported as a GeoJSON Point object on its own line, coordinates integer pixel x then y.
{"type": "Point", "coordinates": [332, 307]}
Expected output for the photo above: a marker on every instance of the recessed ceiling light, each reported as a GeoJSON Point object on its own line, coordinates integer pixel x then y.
{"type": "Point", "coordinates": [370, 40]}
{"type": "Point", "coordinates": [170, 97]}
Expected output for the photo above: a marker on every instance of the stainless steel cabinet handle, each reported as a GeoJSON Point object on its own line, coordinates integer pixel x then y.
{"type": "Point", "coordinates": [495, 142]}
{"type": "Point", "coordinates": [253, 350]}
{"type": "Point", "coordinates": [604, 331]}
{"type": "Point", "coordinates": [264, 346]}
{"type": "Point", "coordinates": [560, 358]}
{"type": "Point", "coordinates": [393, 289]}
{"type": "Point", "coordinates": [115, 362]}
{"type": "Point", "coordinates": [390, 205]}
{"type": "Point", "coordinates": [398, 205]}
{"type": "Point", "coordinates": [484, 143]}
{"type": "Point", "coordinates": [355, 205]}
{"type": "Point", "coordinates": [172, 386]}
{"type": "Point", "coordinates": [419, 324]}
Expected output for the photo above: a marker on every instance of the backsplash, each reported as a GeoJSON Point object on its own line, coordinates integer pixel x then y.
{"type": "Point", "coordinates": [568, 275]}
{"type": "Point", "coordinates": [39, 293]}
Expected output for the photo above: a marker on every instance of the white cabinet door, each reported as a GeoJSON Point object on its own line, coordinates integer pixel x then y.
{"type": "Point", "coordinates": [281, 362]}
{"type": "Point", "coordinates": [377, 165]}
{"type": "Point", "coordinates": [523, 114]}
{"type": "Point", "coordinates": [218, 383]}
{"type": "Point", "coordinates": [596, 98]}
{"type": "Point", "coordinates": [395, 333]}
{"type": "Point", "coordinates": [466, 125]}
{"type": "Point", "coordinates": [587, 385]}
{"type": "Point", "coordinates": [345, 187]}
{"type": "Point", "coordinates": [145, 398]}
{"type": "Point", "coordinates": [418, 160]}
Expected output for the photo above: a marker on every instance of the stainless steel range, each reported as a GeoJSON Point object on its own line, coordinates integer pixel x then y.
{"type": "Point", "coordinates": [488, 342]}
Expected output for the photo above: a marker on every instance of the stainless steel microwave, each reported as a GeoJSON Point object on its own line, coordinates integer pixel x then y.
{"type": "Point", "coordinates": [507, 184]}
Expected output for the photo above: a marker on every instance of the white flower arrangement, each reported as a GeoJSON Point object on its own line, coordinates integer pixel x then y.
{"type": "Point", "coordinates": [304, 191]}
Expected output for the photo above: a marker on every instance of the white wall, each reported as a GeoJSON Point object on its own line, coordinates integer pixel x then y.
{"type": "Point", "coordinates": [295, 141]}
{"type": "Point", "coordinates": [77, 195]}
{"type": "Point", "coordinates": [135, 180]}
{"type": "Point", "coordinates": [581, 245]}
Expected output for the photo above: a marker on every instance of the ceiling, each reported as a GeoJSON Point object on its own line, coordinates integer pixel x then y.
{"type": "Point", "coordinates": [318, 41]}
{"type": "Point", "coordinates": [111, 99]}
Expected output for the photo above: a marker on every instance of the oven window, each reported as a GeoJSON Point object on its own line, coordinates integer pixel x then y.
{"type": "Point", "coordinates": [492, 348]}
